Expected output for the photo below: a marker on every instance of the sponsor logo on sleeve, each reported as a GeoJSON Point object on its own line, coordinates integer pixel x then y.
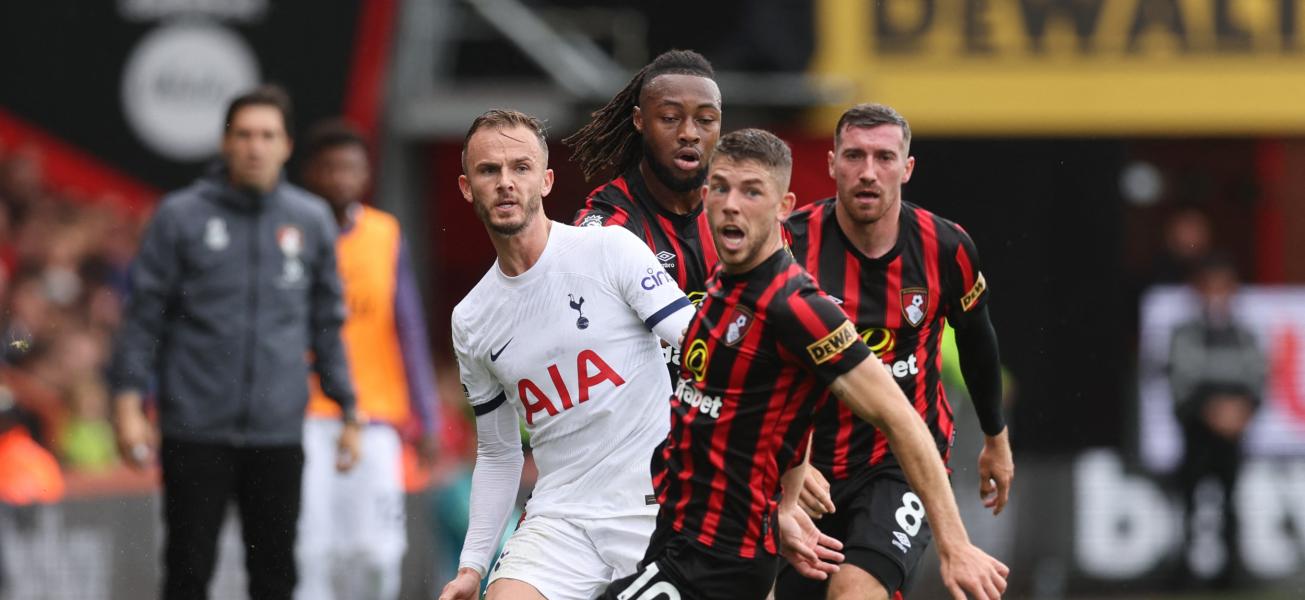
{"type": "Point", "coordinates": [972, 297]}
{"type": "Point", "coordinates": [838, 340]}
{"type": "Point", "coordinates": [655, 279]}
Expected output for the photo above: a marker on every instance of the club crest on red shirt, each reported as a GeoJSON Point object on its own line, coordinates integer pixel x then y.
{"type": "Point", "coordinates": [915, 305]}
{"type": "Point", "coordinates": [740, 322]}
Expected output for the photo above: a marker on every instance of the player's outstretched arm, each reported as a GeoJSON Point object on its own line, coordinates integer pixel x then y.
{"type": "Point", "coordinates": [812, 553]}
{"type": "Point", "coordinates": [870, 392]}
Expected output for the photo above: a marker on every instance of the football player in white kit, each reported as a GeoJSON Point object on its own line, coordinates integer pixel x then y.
{"type": "Point", "coordinates": [563, 332]}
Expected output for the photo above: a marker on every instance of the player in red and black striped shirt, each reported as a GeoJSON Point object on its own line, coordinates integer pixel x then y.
{"type": "Point", "coordinates": [901, 273]}
{"type": "Point", "coordinates": [657, 134]}
{"type": "Point", "coordinates": [764, 351]}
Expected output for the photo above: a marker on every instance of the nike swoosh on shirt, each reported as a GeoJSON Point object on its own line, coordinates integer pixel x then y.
{"type": "Point", "coordinates": [493, 356]}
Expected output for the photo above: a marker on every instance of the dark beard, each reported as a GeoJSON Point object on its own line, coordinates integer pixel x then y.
{"type": "Point", "coordinates": [672, 180]}
{"type": "Point", "coordinates": [532, 208]}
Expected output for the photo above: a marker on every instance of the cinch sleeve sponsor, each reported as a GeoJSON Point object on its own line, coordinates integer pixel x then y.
{"type": "Point", "coordinates": [638, 276]}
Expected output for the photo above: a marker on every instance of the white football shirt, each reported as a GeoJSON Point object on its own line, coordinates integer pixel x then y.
{"type": "Point", "coordinates": [569, 346]}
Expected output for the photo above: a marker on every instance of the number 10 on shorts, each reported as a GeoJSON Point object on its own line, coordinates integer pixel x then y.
{"type": "Point", "coordinates": [662, 590]}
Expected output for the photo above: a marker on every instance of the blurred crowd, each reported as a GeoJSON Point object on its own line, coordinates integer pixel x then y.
{"type": "Point", "coordinates": [63, 277]}
{"type": "Point", "coordinates": [63, 264]}
{"type": "Point", "coordinates": [64, 258]}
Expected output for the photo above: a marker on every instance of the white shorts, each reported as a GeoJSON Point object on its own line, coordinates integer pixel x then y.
{"type": "Point", "coordinates": [574, 559]}
{"type": "Point", "coordinates": [352, 528]}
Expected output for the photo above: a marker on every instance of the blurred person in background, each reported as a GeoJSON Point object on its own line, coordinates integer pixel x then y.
{"type": "Point", "coordinates": [1187, 242]}
{"type": "Point", "coordinates": [656, 136]}
{"type": "Point", "coordinates": [235, 282]}
{"type": "Point", "coordinates": [22, 182]}
{"type": "Point", "coordinates": [1217, 375]}
{"type": "Point", "coordinates": [29, 474]}
{"type": "Point", "coordinates": [352, 534]}
{"type": "Point", "coordinates": [902, 274]}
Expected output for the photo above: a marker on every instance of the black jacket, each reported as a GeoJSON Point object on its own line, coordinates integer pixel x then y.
{"type": "Point", "coordinates": [232, 296]}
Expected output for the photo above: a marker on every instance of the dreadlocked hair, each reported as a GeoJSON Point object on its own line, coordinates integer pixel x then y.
{"type": "Point", "coordinates": [610, 140]}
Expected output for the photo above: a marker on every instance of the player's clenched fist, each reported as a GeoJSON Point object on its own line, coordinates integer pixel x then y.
{"type": "Point", "coordinates": [969, 570]}
{"type": "Point", "coordinates": [466, 586]}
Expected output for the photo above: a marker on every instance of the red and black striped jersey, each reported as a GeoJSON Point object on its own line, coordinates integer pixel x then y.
{"type": "Point", "coordinates": [899, 302]}
{"type": "Point", "coordinates": [758, 358]}
{"type": "Point", "coordinates": [681, 242]}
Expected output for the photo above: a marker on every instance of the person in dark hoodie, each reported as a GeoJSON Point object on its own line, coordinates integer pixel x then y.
{"type": "Point", "coordinates": [1217, 375]}
{"type": "Point", "coordinates": [234, 284]}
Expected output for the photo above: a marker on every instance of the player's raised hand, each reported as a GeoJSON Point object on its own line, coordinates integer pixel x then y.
{"type": "Point", "coordinates": [813, 554]}
{"type": "Point", "coordinates": [969, 570]}
{"type": "Point", "coordinates": [466, 586]}
{"type": "Point", "coordinates": [996, 471]}
{"type": "Point", "coordinates": [815, 499]}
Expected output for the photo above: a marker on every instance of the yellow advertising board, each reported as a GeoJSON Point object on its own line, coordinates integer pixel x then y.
{"type": "Point", "coordinates": [1069, 67]}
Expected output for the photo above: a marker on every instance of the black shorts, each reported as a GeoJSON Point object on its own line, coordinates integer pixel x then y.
{"type": "Point", "coordinates": [881, 524]}
{"type": "Point", "coordinates": [678, 568]}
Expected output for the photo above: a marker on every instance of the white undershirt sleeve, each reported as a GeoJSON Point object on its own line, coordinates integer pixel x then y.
{"type": "Point", "coordinates": [672, 328]}
{"type": "Point", "coordinates": [494, 485]}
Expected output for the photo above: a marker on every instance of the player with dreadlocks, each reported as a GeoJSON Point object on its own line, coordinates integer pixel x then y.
{"type": "Point", "coordinates": [656, 137]}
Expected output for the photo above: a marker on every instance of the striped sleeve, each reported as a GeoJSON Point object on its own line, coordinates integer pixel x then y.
{"type": "Point", "coordinates": [813, 329]}
{"type": "Point", "coordinates": [969, 288]}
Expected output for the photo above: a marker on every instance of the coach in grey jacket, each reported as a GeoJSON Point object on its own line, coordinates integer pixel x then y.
{"type": "Point", "coordinates": [234, 293]}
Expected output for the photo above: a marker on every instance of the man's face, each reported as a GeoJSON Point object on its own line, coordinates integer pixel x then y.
{"type": "Point", "coordinates": [507, 177]}
{"type": "Point", "coordinates": [1216, 288]}
{"type": "Point", "coordinates": [339, 174]}
{"type": "Point", "coordinates": [869, 166]}
{"type": "Point", "coordinates": [745, 203]}
{"type": "Point", "coordinates": [679, 119]}
{"type": "Point", "coordinates": [256, 147]}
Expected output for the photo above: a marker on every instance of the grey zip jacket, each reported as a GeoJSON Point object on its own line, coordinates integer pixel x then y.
{"type": "Point", "coordinates": [232, 296]}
